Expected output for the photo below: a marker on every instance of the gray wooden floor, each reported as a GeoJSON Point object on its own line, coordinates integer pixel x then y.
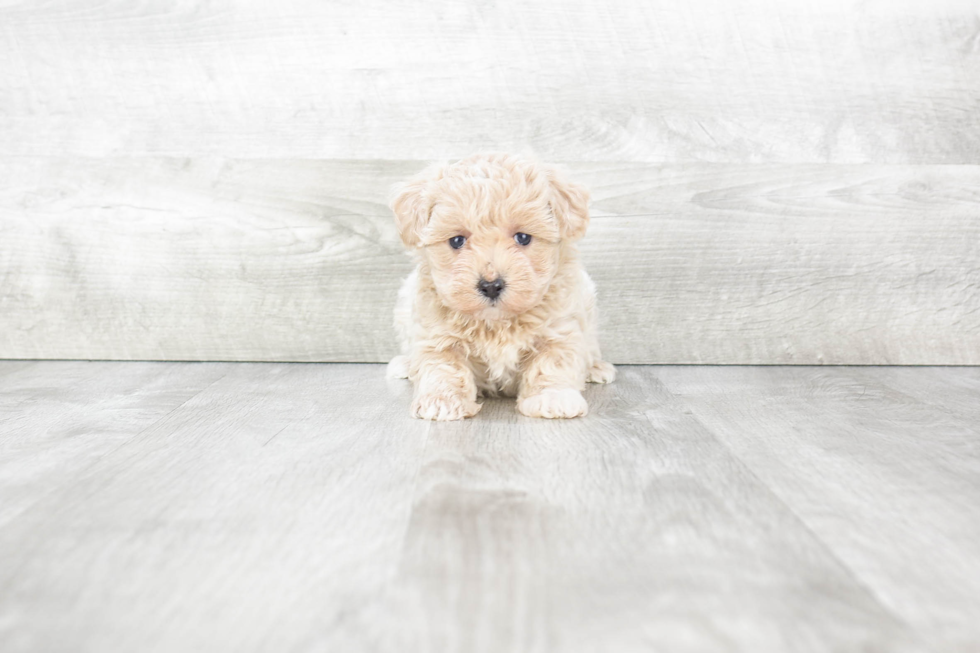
{"type": "Point", "coordinates": [296, 507]}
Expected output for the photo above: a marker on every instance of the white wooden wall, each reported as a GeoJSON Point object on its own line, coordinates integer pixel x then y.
{"type": "Point", "coordinates": [774, 181]}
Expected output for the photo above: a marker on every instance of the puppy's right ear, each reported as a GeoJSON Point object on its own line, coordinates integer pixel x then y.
{"type": "Point", "coordinates": [412, 205]}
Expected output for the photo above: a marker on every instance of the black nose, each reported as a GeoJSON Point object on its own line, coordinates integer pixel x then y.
{"type": "Point", "coordinates": [491, 288]}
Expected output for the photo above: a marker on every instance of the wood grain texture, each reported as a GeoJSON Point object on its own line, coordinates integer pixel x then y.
{"type": "Point", "coordinates": [260, 511]}
{"type": "Point", "coordinates": [887, 479]}
{"type": "Point", "coordinates": [954, 390]}
{"type": "Point", "coordinates": [665, 81]}
{"type": "Point", "coordinates": [60, 417]}
{"type": "Point", "coordinates": [632, 530]}
{"type": "Point", "coordinates": [217, 259]}
{"type": "Point", "coordinates": [298, 508]}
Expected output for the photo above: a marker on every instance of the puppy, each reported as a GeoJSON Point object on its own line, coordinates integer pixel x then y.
{"type": "Point", "coordinates": [499, 303]}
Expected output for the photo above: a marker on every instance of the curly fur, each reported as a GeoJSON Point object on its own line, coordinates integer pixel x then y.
{"type": "Point", "coordinates": [537, 341]}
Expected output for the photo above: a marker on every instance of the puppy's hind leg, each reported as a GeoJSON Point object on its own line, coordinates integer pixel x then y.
{"type": "Point", "coordinates": [397, 368]}
{"type": "Point", "coordinates": [601, 372]}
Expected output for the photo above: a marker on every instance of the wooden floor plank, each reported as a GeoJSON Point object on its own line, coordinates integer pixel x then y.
{"type": "Point", "coordinates": [891, 483]}
{"type": "Point", "coordinates": [264, 508]}
{"type": "Point", "coordinates": [297, 507]}
{"type": "Point", "coordinates": [631, 530]}
{"type": "Point", "coordinates": [955, 390]}
{"type": "Point", "coordinates": [56, 418]}
{"type": "Point", "coordinates": [8, 367]}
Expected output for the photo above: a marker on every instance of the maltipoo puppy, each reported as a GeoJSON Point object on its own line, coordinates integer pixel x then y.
{"type": "Point", "coordinates": [499, 303]}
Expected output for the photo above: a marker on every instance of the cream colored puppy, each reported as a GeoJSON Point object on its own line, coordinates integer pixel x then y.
{"type": "Point", "coordinates": [499, 303]}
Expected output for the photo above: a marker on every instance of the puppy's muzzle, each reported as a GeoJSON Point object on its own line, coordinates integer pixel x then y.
{"type": "Point", "coordinates": [491, 289]}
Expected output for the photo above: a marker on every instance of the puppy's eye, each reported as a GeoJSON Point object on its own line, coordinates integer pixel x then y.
{"type": "Point", "coordinates": [523, 239]}
{"type": "Point", "coordinates": [457, 241]}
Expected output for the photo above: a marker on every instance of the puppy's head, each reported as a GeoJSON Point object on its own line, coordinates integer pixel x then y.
{"type": "Point", "coordinates": [491, 228]}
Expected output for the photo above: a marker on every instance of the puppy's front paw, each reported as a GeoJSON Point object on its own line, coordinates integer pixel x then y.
{"type": "Point", "coordinates": [443, 407]}
{"type": "Point", "coordinates": [554, 402]}
{"type": "Point", "coordinates": [602, 372]}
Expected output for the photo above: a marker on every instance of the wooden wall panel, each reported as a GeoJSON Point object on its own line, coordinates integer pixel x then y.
{"type": "Point", "coordinates": [775, 181]}
{"type": "Point", "coordinates": [845, 81]}
{"type": "Point", "coordinates": [186, 259]}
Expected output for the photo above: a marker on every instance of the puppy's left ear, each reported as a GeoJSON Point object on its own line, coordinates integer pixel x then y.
{"type": "Point", "coordinates": [412, 205]}
{"type": "Point", "coordinates": [570, 204]}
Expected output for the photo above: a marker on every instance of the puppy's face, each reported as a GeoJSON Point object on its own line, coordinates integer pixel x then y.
{"type": "Point", "coordinates": [491, 229]}
{"type": "Point", "coordinates": [492, 264]}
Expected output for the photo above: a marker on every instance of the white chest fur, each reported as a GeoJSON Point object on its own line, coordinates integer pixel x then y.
{"type": "Point", "coordinates": [496, 362]}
